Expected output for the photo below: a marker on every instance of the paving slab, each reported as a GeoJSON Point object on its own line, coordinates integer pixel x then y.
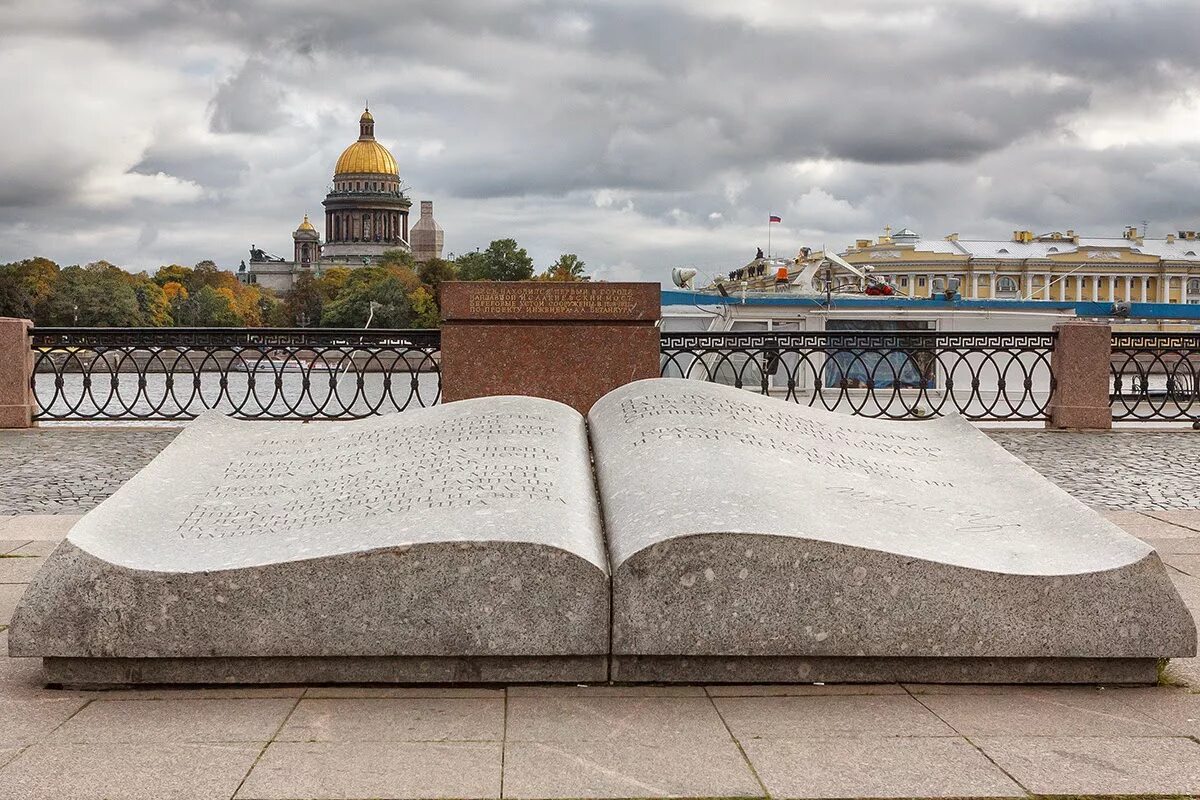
{"type": "Point", "coordinates": [26, 721]}
{"type": "Point", "coordinates": [1144, 524]}
{"type": "Point", "coordinates": [674, 768]}
{"type": "Point", "coordinates": [876, 767]}
{"type": "Point", "coordinates": [7, 754]}
{"type": "Point", "coordinates": [177, 720]}
{"type": "Point", "coordinates": [1049, 712]}
{"type": "Point", "coordinates": [21, 678]}
{"type": "Point", "coordinates": [651, 721]}
{"type": "Point", "coordinates": [401, 691]}
{"type": "Point", "coordinates": [375, 769]}
{"type": "Point", "coordinates": [1189, 519]}
{"type": "Point", "coordinates": [802, 689]}
{"type": "Point", "coordinates": [128, 771]}
{"type": "Point", "coordinates": [10, 593]}
{"type": "Point", "coordinates": [9, 545]}
{"type": "Point", "coordinates": [198, 693]}
{"type": "Point", "coordinates": [1177, 709]}
{"type": "Point", "coordinates": [18, 568]}
{"type": "Point", "coordinates": [1098, 765]}
{"type": "Point", "coordinates": [38, 547]}
{"type": "Point", "coordinates": [395, 720]}
{"type": "Point", "coordinates": [42, 527]}
{"type": "Point", "coordinates": [1188, 563]}
{"type": "Point", "coordinates": [606, 691]}
{"type": "Point", "coordinates": [854, 715]}
{"type": "Point", "coordinates": [1189, 545]}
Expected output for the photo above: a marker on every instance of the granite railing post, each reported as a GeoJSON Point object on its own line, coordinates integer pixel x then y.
{"type": "Point", "coordinates": [1080, 363]}
{"type": "Point", "coordinates": [16, 368]}
{"type": "Point", "coordinates": [566, 341]}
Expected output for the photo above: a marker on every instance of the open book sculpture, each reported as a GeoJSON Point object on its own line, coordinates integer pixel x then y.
{"type": "Point", "coordinates": [706, 534]}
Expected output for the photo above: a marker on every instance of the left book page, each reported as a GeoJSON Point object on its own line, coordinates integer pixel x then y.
{"type": "Point", "coordinates": [231, 494]}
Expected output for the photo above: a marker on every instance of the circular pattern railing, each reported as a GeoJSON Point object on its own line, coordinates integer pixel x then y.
{"type": "Point", "coordinates": [1155, 377]}
{"type": "Point", "coordinates": [177, 373]}
{"type": "Point", "coordinates": [893, 375]}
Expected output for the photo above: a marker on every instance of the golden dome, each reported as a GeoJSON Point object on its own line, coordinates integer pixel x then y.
{"type": "Point", "coordinates": [366, 155]}
{"type": "Point", "coordinates": [366, 116]}
{"type": "Point", "coordinates": [306, 225]}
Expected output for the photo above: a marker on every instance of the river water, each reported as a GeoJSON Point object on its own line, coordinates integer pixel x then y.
{"type": "Point", "coordinates": [328, 394]}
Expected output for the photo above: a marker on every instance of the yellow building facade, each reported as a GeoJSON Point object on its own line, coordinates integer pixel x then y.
{"type": "Point", "coordinates": [1052, 266]}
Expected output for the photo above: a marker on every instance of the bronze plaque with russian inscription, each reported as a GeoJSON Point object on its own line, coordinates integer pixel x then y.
{"type": "Point", "coordinates": [545, 300]}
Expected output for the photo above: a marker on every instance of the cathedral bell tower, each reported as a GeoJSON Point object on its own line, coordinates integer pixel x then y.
{"type": "Point", "coordinates": [308, 245]}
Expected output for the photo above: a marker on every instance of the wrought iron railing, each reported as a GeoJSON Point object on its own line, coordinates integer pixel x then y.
{"type": "Point", "coordinates": [176, 373]}
{"type": "Point", "coordinates": [896, 375]}
{"type": "Point", "coordinates": [1156, 377]}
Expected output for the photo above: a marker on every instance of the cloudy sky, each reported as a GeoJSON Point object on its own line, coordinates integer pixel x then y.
{"type": "Point", "coordinates": [641, 134]}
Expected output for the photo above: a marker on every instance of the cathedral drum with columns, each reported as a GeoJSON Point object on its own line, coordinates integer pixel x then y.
{"type": "Point", "coordinates": [366, 215]}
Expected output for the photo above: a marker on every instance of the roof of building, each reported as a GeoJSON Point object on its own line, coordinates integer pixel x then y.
{"type": "Point", "coordinates": [366, 156]}
{"type": "Point", "coordinates": [1174, 249]}
{"type": "Point", "coordinates": [306, 225]}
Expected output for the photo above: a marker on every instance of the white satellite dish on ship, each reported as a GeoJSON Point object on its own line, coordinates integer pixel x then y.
{"type": "Point", "coordinates": [683, 277]}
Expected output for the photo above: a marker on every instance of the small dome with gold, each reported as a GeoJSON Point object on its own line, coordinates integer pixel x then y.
{"type": "Point", "coordinates": [366, 156]}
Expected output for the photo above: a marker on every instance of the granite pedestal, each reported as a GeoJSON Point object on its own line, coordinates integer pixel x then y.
{"type": "Point", "coordinates": [570, 342]}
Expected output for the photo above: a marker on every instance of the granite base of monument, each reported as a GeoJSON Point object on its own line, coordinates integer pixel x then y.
{"type": "Point", "coordinates": [744, 540]}
{"type": "Point", "coordinates": [117, 672]}
{"type": "Point", "coordinates": [867, 669]}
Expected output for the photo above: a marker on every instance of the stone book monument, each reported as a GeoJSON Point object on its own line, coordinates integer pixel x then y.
{"type": "Point", "coordinates": [683, 531]}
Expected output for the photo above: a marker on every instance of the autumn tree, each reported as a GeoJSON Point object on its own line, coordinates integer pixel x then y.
{"type": "Point", "coordinates": [567, 268]}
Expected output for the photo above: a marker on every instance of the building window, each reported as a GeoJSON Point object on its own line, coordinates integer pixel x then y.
{"type": "Point", "coordinates": [921, 282]}
{"type": "Point", "coordinates": [904, 281]}
{"type": "Point", "coordinates": [1006, 284]}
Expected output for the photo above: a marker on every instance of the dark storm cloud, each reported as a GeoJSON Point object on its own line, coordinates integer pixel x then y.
{"type": "Point", "coordinates": [638, 131]}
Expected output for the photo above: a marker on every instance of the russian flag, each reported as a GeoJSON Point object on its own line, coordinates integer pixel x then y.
{"type": "Point", "coordinates": [774, 218]}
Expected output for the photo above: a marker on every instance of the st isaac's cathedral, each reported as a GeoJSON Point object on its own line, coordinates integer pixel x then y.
{"type": "Point", "coordinates": [366, 215]}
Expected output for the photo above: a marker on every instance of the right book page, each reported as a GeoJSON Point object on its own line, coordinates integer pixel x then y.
{"type": "Point", "coordinates": [677, 457]}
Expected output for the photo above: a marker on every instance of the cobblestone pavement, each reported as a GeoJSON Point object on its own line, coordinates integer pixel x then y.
{"type": "Point", "coordinates": [70, 470]}
{"type": "Point", "coordinates": [1133, 470]}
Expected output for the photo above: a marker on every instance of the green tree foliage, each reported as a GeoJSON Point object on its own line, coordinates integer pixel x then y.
{"type": "Point", "coordinates": [385, 287]}
{"type": "Point", "coordinates": [208, 308]}
{"type": "Point", "coordinates": [436, 271]}
{"type": "Point", "coordinates": [397, 258]}
{"type": "Point", "coordinates": [503, 260]}
{"type": "Point", "coordinates": [304, 302]}
{"type": "Point", "coordinates": [568, 268]}
{"type": "Point", "coordinates": [98, 295]}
